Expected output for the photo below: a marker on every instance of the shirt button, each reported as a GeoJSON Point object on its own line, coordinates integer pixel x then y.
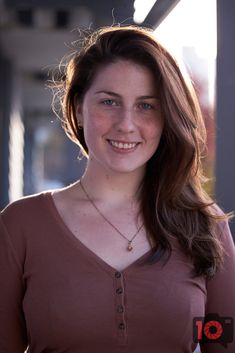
{"type": "Point", "coordinates": [119, 290]}
{"type": "Point", "coordinates": [121, 326]}
{"type": "Point", "coordinates": [120, 309]}
{"type": "Point", "coordinates": [117, 274]}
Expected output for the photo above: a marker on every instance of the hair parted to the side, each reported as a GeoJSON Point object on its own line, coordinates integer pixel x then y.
{"type": "Point", "coordinates": [173, 202]}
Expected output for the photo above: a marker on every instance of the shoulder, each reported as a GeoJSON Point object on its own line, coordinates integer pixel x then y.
{"type": "Point", "coordinates": [16, 221]}
{"type": "Point", "coordinates": [223, 235]}
{"type": "Point", "coordinates": [217, 211]}
{"type": "Point", "coordinates": [26, 219]}
{"type": "Point", "coordinates": [221, 219]}
{"type": "Point", "coordinates": [24, 205]}
{"type": "Point", "coordinates": [27, 212]}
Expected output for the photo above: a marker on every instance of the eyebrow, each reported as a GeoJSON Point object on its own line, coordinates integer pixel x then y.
{"type": "Point", "coordinates": [109, 93]}
{"type": "Point", "coordinates": [119, 96]}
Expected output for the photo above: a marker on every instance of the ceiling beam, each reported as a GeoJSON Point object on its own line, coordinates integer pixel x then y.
{"type": "Point", "coordinates": [159, 12]}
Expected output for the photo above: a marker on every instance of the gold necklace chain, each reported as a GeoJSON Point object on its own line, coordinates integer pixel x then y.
{"type": "Point", "coordinates": [129, 247]}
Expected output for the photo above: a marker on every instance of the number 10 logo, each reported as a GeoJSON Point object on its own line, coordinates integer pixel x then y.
{"type": "Point", "coordinates": [213, 328]}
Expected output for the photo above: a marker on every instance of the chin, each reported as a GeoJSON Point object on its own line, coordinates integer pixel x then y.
{"type": "Point", "coordinates": [127, 169]}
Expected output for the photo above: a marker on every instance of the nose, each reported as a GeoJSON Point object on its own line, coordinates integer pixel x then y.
{"type": "Point", "coordinates": [125, 121]}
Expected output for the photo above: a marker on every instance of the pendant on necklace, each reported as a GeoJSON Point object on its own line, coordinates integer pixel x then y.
{"type": "Point", "coordinates": [130, 247]}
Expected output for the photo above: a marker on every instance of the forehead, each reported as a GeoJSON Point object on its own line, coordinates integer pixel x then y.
{"type": "Point", "coordinates": [123, 73]}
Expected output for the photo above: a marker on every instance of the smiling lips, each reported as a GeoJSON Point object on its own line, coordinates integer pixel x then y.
{"type": "Point", "coordinates": [123, 145]}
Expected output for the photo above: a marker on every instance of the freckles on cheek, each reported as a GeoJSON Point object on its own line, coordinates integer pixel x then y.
{"type": "Point", "coordinates": [97, 126]}
{"type": "Point", "coordinates": [97, 117]}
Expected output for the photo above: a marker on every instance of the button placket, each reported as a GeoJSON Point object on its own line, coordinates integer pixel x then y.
{"type": "Point", "coordinates": [120, 308]}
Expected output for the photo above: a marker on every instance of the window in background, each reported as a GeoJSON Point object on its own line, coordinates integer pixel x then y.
{"type": "Point", "coordinates": [51, 159]}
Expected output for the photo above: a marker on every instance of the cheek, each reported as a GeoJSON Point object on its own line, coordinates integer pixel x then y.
{"type": "Point", "coordinates": [154, 130]}
{"type": "Point", "coordinates": [99, 117]}
{"type": "Point", "coordinates": [96, 124]}
{"type": "Point", "coordinates": [93, 120]}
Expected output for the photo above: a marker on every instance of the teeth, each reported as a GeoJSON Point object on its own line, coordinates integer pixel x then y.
{"type": "Point", "coordinates": [122, 145]}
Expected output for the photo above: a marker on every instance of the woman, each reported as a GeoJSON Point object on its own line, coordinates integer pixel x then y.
{"type": "Point", "coordinates": [132, 257]}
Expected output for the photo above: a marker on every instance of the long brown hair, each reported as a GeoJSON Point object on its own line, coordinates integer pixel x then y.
{"type": "Point", "coordinates": [173, 202]}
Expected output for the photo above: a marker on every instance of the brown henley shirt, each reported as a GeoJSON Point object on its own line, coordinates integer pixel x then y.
{"type": "Point", "coordinates": [57, 296]}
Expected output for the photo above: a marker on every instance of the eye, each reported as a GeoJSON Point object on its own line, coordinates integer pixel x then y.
{"type": "Point", "coordinates": [145, 106]}
{"type": "Point", "coordinates": [109, 102]}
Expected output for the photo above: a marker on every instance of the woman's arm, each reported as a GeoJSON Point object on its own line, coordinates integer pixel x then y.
{"type": "Point", "coordinates": [221, 301]}
{"type": "Point", "coordinates": [13, 335]}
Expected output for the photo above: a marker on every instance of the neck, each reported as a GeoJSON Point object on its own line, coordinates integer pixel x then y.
{"type": "Point", "coordinates": [116, 188]}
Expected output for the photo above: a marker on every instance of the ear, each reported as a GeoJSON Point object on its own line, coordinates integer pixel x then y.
{"type": "Point", "coordinates": [79, 114]}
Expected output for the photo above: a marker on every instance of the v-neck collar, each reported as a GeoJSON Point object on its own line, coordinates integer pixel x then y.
{"type": "Point", "coordinates": [88, 252]}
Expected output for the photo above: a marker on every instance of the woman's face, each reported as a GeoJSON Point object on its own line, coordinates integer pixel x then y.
{"type": "Point", "coordinates": [121, 117]}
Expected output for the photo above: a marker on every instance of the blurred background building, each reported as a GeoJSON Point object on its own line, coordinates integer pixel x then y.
{"type": "Point", "coordinates": [34, 36]}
